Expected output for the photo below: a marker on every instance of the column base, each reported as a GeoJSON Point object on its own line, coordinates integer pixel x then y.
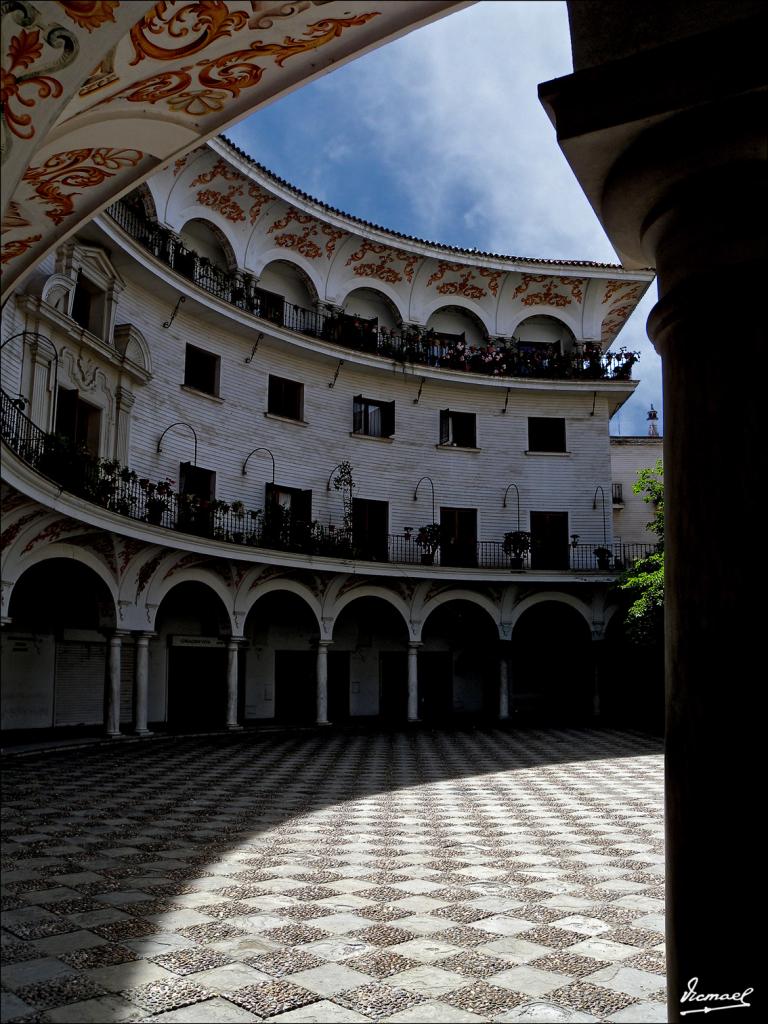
{"type": "Point", "coordinates": [115, 736]}
{"type": "Point", "coordinates": [324, 722]}
{"type": "Point", "coordinates": [234, 728]}
{"type": "Point", "coordinates": [414, 720]}
{"type": "Point", "coordinates": [143, 732]}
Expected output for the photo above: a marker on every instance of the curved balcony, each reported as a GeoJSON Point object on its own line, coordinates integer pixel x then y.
{"type": "Point", "coordinates": [107, 484]}
{"type": "Point", "coordinates": [507, 359]}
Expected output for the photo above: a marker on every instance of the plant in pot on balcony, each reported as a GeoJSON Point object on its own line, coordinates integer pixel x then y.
{"type": "Point", "coordinates": [428, 539]}
{"type": "Point", "coordinates": [603, 556]}
{"type": "Point", "coordinates": [516, 544]}
{"type": "Point", "coordinates": [237, 510]}
{"type": "Point", "coordinates": [157, 500]}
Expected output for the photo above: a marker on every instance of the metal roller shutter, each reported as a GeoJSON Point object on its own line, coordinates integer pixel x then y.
{"type": "Point", "coordinates": [127, 660]}
{"type": "Point", "coordinates": [80, 674]}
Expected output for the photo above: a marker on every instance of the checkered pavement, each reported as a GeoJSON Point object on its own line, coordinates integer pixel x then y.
{"type": "Point", "coordinates": [480, 875]}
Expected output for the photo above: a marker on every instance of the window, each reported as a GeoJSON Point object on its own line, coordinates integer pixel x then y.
{"type": "Point", "coordinates": [458, 536]}
{"type": "Point", "coordinates": [375, 419]}
{"type": "Point", "coordinates": [617, 493]}
{"type": "Point", "coordinates": [546, 434]}
{"type": "Point", "coordinates": [88, 306]}
{"type": "Point", "coordinates": [78, 421]}
{"type": "Point", "coordinates": [285, 398]}
{"type": "Point", "coordinates": [196, 517]}
{"type": "Point", "coordinates": [201, 370]}
{"type": "Point", "coordinates": [457, 429]}
{"type": "Point", "coordinates": [369, 529]}
{"type": "Point", "coordinates": [549, 540]}
{"type": "Point", "coordinates": [287, 516]}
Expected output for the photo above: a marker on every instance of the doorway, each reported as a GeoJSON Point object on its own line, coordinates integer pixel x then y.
{"type": "Point", "coordinates": [435, 685]}
{"type": "Point", "coordinates": [338, 686]}
{"type": "Point", "coordinates": [197, 687]}
{"type": "Point", "coordinates": [393, 687]}
{"type": "Point", "coordinates": [296, 687]}
{"type": "Point", "coordinates": [549, 540]}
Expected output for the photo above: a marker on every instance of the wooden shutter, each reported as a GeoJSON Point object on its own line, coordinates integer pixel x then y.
{"type": "Point", "coordinates": [357, 414]}
{"type": "Point", "coordinates": [445, 426]}
{"type": "Point", "coordinates": [301, 507]}
{"type": "Point", "coordinates": [387, 419]}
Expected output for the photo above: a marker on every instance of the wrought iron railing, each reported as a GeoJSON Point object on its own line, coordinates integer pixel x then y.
{"type": "Point", "coordinates": [408, 345]}
{"type": "Point", "coordinates": [118, 489]}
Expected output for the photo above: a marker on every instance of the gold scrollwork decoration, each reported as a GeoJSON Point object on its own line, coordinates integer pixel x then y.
{"type": "Point", "coordinates": [76, 169]}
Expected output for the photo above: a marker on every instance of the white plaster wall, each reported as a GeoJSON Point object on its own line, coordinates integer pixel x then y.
{"type": "Point", "coordinates": [628, 455]}
{"type": "Point", "coordinates": [285, 280]}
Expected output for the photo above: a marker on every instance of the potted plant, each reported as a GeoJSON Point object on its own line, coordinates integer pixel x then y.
{"type": "Point", "coordinates": [428, 539]}
{"type": "Point", "coordinates": [516, 544]}
{"type": "Point", "coordinates": [603, 556]}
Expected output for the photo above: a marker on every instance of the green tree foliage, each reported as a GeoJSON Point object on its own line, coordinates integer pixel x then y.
{"type": "Point", "coordinates": [643, 581]}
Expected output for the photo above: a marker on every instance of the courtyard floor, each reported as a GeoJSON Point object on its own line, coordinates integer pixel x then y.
{"type": "Point", "coordinates": [479, 875]}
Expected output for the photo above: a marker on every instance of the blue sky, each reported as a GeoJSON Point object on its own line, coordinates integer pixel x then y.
{"type": "Point", "coordinates": [441, 135]}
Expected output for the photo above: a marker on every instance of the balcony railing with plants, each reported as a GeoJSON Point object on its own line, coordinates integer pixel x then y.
{"type": "Point", "coordinates": [507, 358]}
{"type": "Point", "coordinates": [106, 483]}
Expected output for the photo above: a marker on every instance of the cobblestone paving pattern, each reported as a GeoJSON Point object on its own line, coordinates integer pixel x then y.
{"type": "Point", "coordinates": [477, 875]}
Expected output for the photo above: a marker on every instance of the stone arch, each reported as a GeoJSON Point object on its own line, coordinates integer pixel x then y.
{"type": "Point", "coordinates": [208, 239]}
{"type": "Point", "coordinates": [464, 307]}
{"type": "Point", "coordinates": [251, 597]}
{"type": "Point", "coordinates": [381, 290]}
{"type": "Point", "coordinates": [383, 593]}
{"type": "Point", "coordinates": [544, 328]}
{"type": "Point", "coordinates": [263, 257]}
{"type": "Point", "coordinates": [61, 551]}
{"type": "Point", "coordinates": [160, 589]}
{"type": "Point", "coordinates": [296, 279]}
{"type": "Point", "coordinates": [133, 346]}
{"type": "Point", "coordinates": [57, 292]}
{"type": "Point", "coordinates": [572, 320]}
{"type": "Point", "coordinates": [472, 320]}
{"type": "Point", "coordinates": [458, 595]}
{"type": "Point", "coordinates": [532, 600]}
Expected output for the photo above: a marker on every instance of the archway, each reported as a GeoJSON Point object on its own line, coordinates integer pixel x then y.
{"type": "Point", "coordinates": [631, 679]}
{"type": "Point", "coordinates": [209, 243]}
{"type": "Point", "coordinates": [370, 662]}
{"type": "Point", "coordinates": [55, 655]}
{"type": "Point", "coordinates": [191, 654]}
{"type": "Point", "coordinates": [542, 331]}
{"type": "Point", "coordinates": [281, 660]}
{"type": "Point", "coordinates": [458, 663]}
{"type": "Point", "coordinates": [452, 324]}
{"type": "Point", "coordinates": [286, 295]}
{"type": "Point", "coordinates": [552, 674]}
{"type": "Point", "coordinates": [369, 304]}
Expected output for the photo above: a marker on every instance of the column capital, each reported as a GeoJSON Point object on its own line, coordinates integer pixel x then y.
{"type": "Point", "coordinates": [325, 643]}
{"type": "Point", "coordinates": [415, 644]}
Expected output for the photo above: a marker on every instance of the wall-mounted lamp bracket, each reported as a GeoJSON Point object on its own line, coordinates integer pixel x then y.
{"type": "Point", "coordinates": [254, 350]}
{"type": "Point", "coordinates": [421, 388]}
{"type": "Point", "coordinates": [167, 324]}
{"type": "Point", "coordinates": [332, 383]}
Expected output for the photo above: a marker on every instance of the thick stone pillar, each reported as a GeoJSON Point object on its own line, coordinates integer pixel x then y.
{"type": "Point", "coordinates": [112, 696]}
{"type": "Point", "coordinates": [233, 662]}
{"type": "Point", "coordinates": [322, 681]}
{"type": "Point", "coordinates": [709, 327]}
{"type": "Point", "coordinates": [413, 680]}
{"type": "Point", "coordinates": [141, 684]}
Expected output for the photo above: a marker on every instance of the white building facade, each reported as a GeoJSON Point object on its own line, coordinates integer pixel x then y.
{"type": "Point", "coordinates": [233, 420]}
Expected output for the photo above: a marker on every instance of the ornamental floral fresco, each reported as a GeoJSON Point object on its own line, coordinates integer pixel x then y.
{"type": "Point", "coordinates": [383, 269]}
{"type": "Point", "coordinates": [626, 295]}
{"type": "Point", "coordinates": [464, 284]}
{"type": "Point", "coordinates": [311, 237]}
{"type": "Point", "coordinates": [553, 291]}
{"type": "Point", "coordinates": [226, 202]}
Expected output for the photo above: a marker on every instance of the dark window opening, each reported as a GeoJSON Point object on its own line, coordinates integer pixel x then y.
{"type": "Point", "coordinates": [200, 484]}
{"type": "Point", "coordinates": [458, 429]}
{"type": "Point", "coordinates": [370, 524]}
{"type": "Point", "coordinates": [546, 434]}
{"type": "Point", "coordinates": [88, 306]}
{"type": "Point", "coordinates": [287, 516]}
{"type": "Point", "coordinates": [201, 370]}
{"type": "Point", "coordinates": [285, 398]}
{"type": "Point", "coordinates": [458, 536]}
{"type": "Point", "coordinates": [549, 540]}
{"type": "Point", "coordinates": [617, 493]}
{"type": "Point", "coordinates": [269, 305]}
{"type": "Point", "coordinates": [375, 419]}
{"type": "Point", "coordinates": [78, 421]}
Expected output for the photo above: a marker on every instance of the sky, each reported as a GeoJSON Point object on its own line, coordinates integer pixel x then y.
{"type": "Point", "coordinates": [441, 135]}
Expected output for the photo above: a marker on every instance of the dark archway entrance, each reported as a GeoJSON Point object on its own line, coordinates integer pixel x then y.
{"type": "Point", "coordinates": [552, 670]}
{"type": "Point", "coordinates": [55, 654]}
{"type": "Point", "coordinates": [458, 664]}
{"type": "Point", "coordinates": [370, 648]}
{"type": "Point", "coordinates": [281, 671]}
{"type": "Point", "coordinates": [194, 622]}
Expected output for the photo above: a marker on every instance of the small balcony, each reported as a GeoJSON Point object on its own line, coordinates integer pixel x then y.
{"type": "Point", "coordinates": [408, 345]}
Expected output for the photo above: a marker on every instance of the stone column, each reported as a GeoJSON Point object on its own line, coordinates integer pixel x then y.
{"type": "Point", "coordinates": [322, 681]}
{"type": "Point", "coordinates": [232, 681]}
{"type": "Point", "coordinates": [112, 697]}
{"type": "Point", "coordinates": [141, 684]}
{"type": "Point", "coordinates": [504, 680]}
{"type": "Point", "coordinates": [706, 238]}
{"type": "Point", "coordinates": [413, 680]}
